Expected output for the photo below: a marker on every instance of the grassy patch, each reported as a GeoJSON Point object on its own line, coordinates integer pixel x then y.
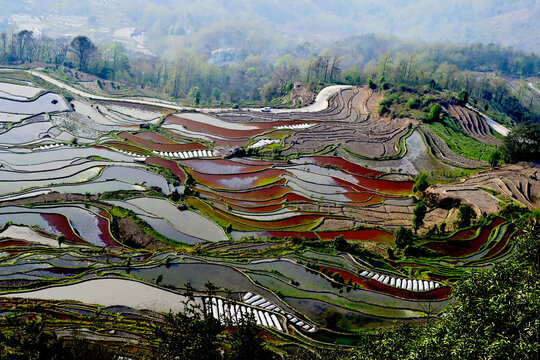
{"type": "Point", "coordinates": [460, 142]}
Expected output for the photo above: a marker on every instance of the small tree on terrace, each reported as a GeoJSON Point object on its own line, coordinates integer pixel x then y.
{"type": "Point", "coordinates": [465, 215]}
{"type": "Point", "coordinates": [419, 213]}
{"type": "Point", "coordinates": [341, 244]}
{"type": "Point", "coordinates": [404, 237]}
{"type": "Point", "coordinates": [494, 158]}
{"type": "Point", "coordinates": [195, 95]}
{"type": "Point", "coordinates": [434, 113]}
{"type": "Point", "coordinates": [84, 49]}
{"type": "Point", "coordinates": [421, 183]}
{"type": "Point", "coordinates": [463, 97]}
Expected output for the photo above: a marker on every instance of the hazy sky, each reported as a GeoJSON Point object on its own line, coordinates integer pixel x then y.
{"type": "Point", "coordinates": [513, 22]}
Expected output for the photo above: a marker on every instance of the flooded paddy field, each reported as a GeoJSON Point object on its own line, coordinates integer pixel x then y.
{"type": "Point", "coordinates": [127, 203]}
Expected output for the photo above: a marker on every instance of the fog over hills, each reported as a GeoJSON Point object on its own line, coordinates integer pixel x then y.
{"type": "Point", "coordinates": [154, 26]}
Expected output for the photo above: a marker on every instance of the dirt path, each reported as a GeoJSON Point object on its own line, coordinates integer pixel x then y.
{"type": "Point", "coordinates": [534, 88]}
{"type": "Point", "coordinates": [320, 103]}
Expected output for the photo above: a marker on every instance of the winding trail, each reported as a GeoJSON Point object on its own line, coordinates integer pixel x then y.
{"type": "Point", "coordinates": [534, 88]}
{"type": "Point", "coordinates": [320, 103]}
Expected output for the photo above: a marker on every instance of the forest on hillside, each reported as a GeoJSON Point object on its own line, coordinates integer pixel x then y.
{"type": "Point", "coordinates": [192, 78]}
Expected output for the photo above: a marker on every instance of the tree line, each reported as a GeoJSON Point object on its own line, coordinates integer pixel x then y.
{"type": "Point", "coordinates": [195, 76]}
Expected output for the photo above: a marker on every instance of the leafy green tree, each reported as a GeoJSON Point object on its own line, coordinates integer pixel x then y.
{"type": "Point", "coordinates": [216, 93]}
{"type": "Point", "coordinates": [195, 95]}
{"type": "Point", "coordinates": [353, 76]}
{"type": "Point", "coordinates": [246, 343]}
{"type": "Point", "coordinates": [522, 144]}
{"type": "Point", "coordinates": [20, 43]}
{"type": "Point", "coordinates": [187, 335]}
{"type": "Point", "coordinates": [383, 109]}
{"type": "Point", "coordinates": [61, 239]}
{"type": "Point", "coordinates": [421, 183]}
{"type": "Point", "coordinates": [404, 237]}
{"type": "Point", "coordinates": [332, 319]}
{"type": "Point", "coordinates": [341, 244]}
{"type": "Point", "coordinates": [494, 158]}
{"type": "Point", "coordinates": [463, 97]}
{"type": "Point", "coordinates": [494, 315]}
{"type": "Point", "coordinates": [84, 49]}
{"type": "Point", "coordinates": [371, 84]}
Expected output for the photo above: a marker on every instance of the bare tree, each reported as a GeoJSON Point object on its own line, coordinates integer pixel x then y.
{"type": "Point", "coordinates": [335, 70]}
{"type": "Point", "coordinates": [3, 36]}
{"type": "Point", "coordinates": [61, 48]}
{"type": "Point", "coordinates": [19, 43]}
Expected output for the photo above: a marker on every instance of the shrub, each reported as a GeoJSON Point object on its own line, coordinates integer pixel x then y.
{"type": "Point", "coordinates": [404, 237]}
{"type": "Point", "coordinates": [383, 109]}
{"type": "Point", "coordinates": [421, 183]}
{"type": "Point", "coordinates": [463, 97]}
{"type": "Point", "coordinates": [465, 215]}
{"type": "Point", "coordinates": [414, 102]}
{"type": "Point", "coordinates": [419, 213]}
{"type": "Point", "coordinates": [494, 158]}
{"type": "Point", "coordinates": [434, 113]}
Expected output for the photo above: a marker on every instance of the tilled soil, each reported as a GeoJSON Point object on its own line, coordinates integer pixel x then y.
{"type": "Point", "coordinates": [517, 182]}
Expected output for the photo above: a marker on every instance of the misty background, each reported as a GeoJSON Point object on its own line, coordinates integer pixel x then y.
{"type": "Point", "coordinates": [249, 53]}
{"type": "Point", "coordinates": [232, 29]}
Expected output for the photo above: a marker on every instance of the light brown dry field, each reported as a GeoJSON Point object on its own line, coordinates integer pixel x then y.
{"type": "Point", "coordinates": [350, 121]}
{"type": "Point", "coordinates": [388, 217]}
{"type": "Point", "coordinates": [484, 191]}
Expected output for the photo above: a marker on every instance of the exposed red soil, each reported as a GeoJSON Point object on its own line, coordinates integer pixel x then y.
{"type": "Point", "coordinates": [13, 243]}
{"type": "Point", "coordinates": [294, 221]}
{"type": "Point", "coordinates": [126, 147]}
{"type": "Point", "coordinates": [105, 234]}
{"type": "Point", "coordinates": [503, 243]}
{"type": "Point", "coordinates": [254, 196]}
{"type": "Point", "coordinates": [155, 137]}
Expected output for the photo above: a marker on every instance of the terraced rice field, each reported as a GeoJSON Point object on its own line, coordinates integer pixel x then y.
{"type": "Point", "coordinates": [126, 196]}
{"type": "Point", "coordinates": [472, 124]}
